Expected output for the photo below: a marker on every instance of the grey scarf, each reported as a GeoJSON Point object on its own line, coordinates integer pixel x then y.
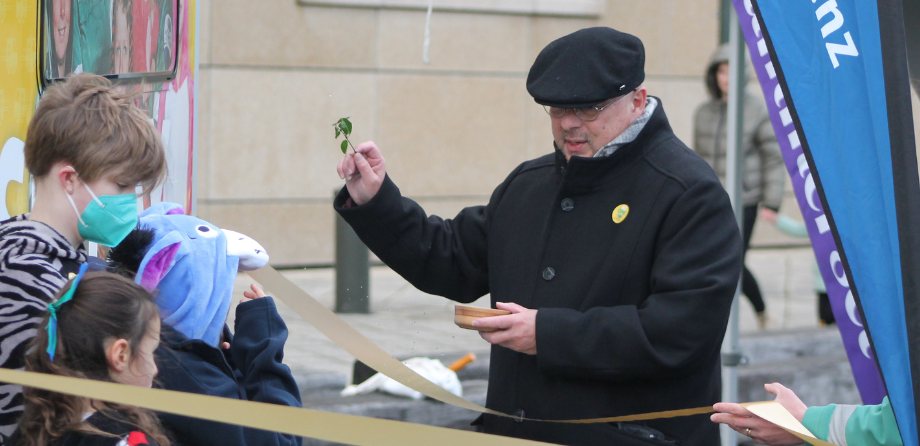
{"type": "Point", "coordinates": [631, 132]}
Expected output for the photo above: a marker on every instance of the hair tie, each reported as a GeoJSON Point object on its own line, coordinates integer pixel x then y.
{"type": "Point", "coordinates": [56, 306]}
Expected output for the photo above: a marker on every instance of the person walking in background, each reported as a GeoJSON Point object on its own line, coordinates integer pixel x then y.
{"type": "Point", "coordinates": [797, 228]}
{"type": "Point", "coordinates": [763, 174]}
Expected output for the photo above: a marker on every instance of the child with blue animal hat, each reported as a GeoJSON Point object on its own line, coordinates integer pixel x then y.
{"type": "Point", "coordinates": [190, 265]}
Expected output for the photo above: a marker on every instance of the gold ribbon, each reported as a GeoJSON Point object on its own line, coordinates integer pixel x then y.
{"type": "Point", "coordinates": [345, 336]}
{"type": "Point", "coordinates": [351, 429]}
{"type": "Point", "coordinates": [340, 428]}
{"type": "Point", "coordinates": [362, 348]}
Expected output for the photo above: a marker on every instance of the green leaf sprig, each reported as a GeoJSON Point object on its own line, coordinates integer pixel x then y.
{"type": "Point", "coordinates": [343, 127]}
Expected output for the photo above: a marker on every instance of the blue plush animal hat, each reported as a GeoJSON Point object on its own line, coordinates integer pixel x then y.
{"type": "Point", "coordinates": [192, 264]}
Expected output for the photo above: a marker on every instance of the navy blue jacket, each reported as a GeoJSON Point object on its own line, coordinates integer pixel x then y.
{"type": "Point", "coordinates": [250, 370]}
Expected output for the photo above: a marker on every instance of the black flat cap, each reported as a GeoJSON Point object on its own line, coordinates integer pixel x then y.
{"type": "Point", "coordinates": [586, 68]}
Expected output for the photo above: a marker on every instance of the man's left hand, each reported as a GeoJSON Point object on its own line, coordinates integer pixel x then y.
{"type": "Point", "coordinates": [517, 331]}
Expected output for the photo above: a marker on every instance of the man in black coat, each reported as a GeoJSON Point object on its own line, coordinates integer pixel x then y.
{"type": "Point", "coordinates": [618, 256]}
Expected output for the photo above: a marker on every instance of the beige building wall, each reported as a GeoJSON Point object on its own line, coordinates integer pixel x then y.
{"type": "Point", "coordinates": [275, 75]}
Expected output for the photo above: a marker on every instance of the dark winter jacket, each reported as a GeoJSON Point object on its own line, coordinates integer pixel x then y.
{"type": "Point", "coordinates": [631, 314]}
{"type": "Point", "coordinates": [34, 263]}
{"type": "Point", "coordinates": [125, 433]}
{"type": "Point", "coordinates": [251, 369]}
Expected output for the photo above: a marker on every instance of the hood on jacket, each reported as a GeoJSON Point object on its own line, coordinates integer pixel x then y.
{"type": "Point", "coordinates": [191, 263]}
{"type": "Point", "coordinates": [720, 56]}
{"type": "Point", "coordinates": [21, 236]}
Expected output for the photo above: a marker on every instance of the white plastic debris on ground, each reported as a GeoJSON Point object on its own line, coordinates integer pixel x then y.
{"type": "Point", "coordinates": [432, 369]}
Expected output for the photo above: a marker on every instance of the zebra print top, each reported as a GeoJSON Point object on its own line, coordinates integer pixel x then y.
{"type": "Point", "coordinates": [34, 263]}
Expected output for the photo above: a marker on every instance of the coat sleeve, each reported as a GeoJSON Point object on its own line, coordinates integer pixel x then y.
{"type": "Point", "coordinates": [442, 257]}
{"type": "Point", "coordinates": [692, 281]}
{"type": "Point", "coordinates": [698, 123]}
{"type": "Point", "coordinates": [28, 284]}
{"type": "Point", "coordinates": [872, 425]}
{"type": "Point", "coordinates": [257, 351]}
{"type": "Point", "coordinates": [773, 169]}
{"type": "Point", "coordinates": [791, 227]}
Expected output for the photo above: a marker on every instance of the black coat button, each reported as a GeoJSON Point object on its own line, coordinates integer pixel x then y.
{"type": "Point", "coordinates": [549, 273]}
{"type": "Point", "coordinates": [568, 204]}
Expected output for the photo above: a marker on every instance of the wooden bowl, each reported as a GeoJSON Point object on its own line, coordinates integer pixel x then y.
{"type": "Point", "coordinates": [464, 315]}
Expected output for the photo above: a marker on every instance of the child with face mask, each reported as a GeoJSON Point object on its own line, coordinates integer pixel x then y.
{"type": "Point", "coordinates": [103, 327]}
{"type": "Point", "coordinates": [87, 148]}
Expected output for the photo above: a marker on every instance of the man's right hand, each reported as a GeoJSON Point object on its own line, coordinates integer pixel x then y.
{"type": "Point", "coordinates": [363, 172]}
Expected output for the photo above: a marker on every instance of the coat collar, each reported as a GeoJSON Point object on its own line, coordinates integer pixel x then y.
{"type": "Point", "coordinates": [583, 174]}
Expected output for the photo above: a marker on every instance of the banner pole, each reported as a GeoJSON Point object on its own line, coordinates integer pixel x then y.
{"type": "Point", "coordinates": [731, 355]}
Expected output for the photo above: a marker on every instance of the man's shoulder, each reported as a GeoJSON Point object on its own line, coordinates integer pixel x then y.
{"type": "Point", "coordinates": [672, 158]}
{"type": "Point", "coordinates": [547, 161]}
{"type": "Point", "coordinates": [663, 151]}
{"type": "Point", "coordinates": [536, 166]}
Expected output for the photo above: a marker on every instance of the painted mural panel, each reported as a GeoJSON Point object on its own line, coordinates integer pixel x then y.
{"type": "Point", "coordinates": [146, 47]}
{"type": "Point", "coordinates": [122, 38]}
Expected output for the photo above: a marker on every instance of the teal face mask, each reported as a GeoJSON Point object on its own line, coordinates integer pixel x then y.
{"type": "Point", "coordinates": [107, 219]}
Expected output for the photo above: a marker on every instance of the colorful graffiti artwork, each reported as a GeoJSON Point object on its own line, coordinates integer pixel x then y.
{"type": "Point", "coordinates": [146, 47]}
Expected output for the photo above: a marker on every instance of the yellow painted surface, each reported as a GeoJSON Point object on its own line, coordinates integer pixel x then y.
{"type": "Point", "coordinates": [18, 90]}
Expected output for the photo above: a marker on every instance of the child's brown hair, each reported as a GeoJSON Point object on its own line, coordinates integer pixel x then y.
{"type": "Point", "coordinates": [104, 307]}
{"type": "Point", "coordinates": [86, 123]}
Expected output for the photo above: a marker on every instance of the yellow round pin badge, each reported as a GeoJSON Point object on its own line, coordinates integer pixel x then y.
{"type": "Point", "coordinates": [620, 213]}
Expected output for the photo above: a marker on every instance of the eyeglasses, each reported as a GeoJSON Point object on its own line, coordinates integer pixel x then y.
{"type": "Point", "coordinates": [584, 113]}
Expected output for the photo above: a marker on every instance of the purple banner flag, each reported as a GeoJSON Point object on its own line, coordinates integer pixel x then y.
{"type": "Point", "coordinates": [855, 338]}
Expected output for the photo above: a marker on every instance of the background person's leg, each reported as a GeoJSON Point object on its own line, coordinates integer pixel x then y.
{"type": "Point", "coordinates": [748, 283]}
{"type": "Point", "coordinates": [824, 309]}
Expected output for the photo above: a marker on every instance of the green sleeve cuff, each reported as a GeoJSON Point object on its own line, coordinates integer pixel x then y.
{"type": "Point", "coordinates": [817, 420]}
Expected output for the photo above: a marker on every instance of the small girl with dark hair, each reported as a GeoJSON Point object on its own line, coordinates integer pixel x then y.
{"type": "Point", "coordinates": [102, 327]}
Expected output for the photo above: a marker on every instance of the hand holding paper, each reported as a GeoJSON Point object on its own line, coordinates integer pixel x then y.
{"type": "Point", "coordinates": [746, 422]}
